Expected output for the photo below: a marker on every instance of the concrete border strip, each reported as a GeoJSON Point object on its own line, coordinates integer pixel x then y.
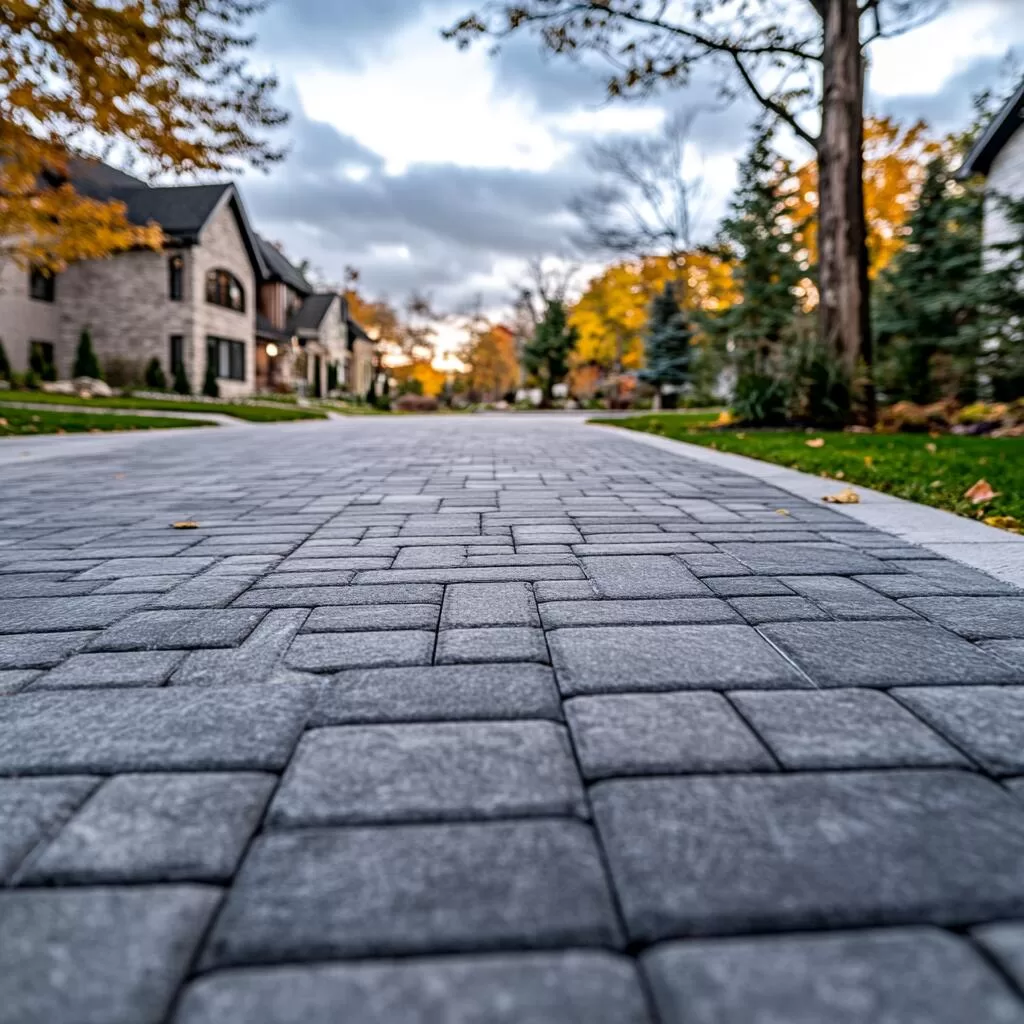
{"type": "Point", "coordinates": [996, 552]}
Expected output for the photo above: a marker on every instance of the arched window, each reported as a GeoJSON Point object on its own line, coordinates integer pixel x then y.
{"type": "Point", "coordinates": [224, 289]}
{"type": "Point", "coordinates": [176, 277]}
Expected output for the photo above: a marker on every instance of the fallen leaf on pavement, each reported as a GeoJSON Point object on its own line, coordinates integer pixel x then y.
{"type": "Point", "coordinates": [1005, 523]}
{"type": "Point", "coordinates": [980, 492]}
{"type": "Point", "coordinates": [782, 511]}
{"type": "Point", "coordinates": [185, 524]}
{"type": "Point", "coordinates": [847, 496]}
{"type": "Point", "coordinates": [815, 442]}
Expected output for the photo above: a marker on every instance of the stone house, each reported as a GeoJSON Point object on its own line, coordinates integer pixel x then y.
{"type": "Point", "coordinates": [216, 291]}
{"type": "Point", "coordinates": [999, 156]}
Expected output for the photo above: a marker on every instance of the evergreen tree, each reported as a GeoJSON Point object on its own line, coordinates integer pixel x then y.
{"type": "Point", "coordinates": [547, 353]}
{"type": "Point", "coordinates": [928, 318]}
{"type": "Point", "coordinates": [181, 383]}
{"type": "Point", "coordinates": [86, 363]}
{"type": "Point", "coordinates": [155, 375]}
{"type": "Point", "coordinates": [210, 386]}
{"type": "Point", "coordinates": [667, 342]}
{"type": "Point", "coordinates": [758, 237]}
{"type": "Point", "coordinates": [5, 366]}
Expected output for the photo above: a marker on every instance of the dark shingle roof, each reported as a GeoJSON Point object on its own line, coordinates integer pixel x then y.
{"type": "Point", "coordinates": [311, 313]}
{"type": "Point", "coordinates": [181, 210]}
{"type": "Point", "coordinates": [999, 132]}
{"type": "Point", "coordinates": [355, 331]}
{"type": "Point", "coordinates": [266, 331]}
{"type": "Point", "coordinates": [280, 269]}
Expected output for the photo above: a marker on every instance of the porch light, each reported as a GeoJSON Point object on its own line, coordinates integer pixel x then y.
{"type": "Point", "coordinates": [271, 350]}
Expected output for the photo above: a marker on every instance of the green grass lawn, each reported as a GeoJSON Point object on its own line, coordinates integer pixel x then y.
{"type": "Point", "coordinates": [930, 470]}
{"type": "Point", "coordinates": [25, 422]}
{"type": "Point", "coordinates": [241, 410]}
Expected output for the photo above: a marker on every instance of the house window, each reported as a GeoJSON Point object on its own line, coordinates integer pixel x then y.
{"type": "Point", "coordinates": [177, 352]}
{"type": "Point", "coordinates": [176, 278]}
{"type": "Point", "coordinates": [42, 285]}
{"type": "Point", "coordinates": [224, 289]}
{"type": "Point", "coordinates": [228, 356]}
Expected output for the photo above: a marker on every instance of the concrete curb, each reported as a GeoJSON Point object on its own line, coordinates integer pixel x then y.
{"type": "Point", "coordinates": [996, 552]}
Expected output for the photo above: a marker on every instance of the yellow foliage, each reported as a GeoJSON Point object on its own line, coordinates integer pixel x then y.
{"type": "Point", "coordinates": [895, 158]}
{"type": "Point", "coordinates": [494, 368]}
{"type": "Point", "coordinates": [611, 315]}
{"type": "Point", "coordinates": [420, 369]}
{"type": "Point", "coordinates": [160, 80]}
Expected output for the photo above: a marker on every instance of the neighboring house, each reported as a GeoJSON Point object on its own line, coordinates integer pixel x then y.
{"type": "Point", "coordinates": [999, 156]}
{"type": "Point", "coordinates": [217, 291]}
{"type": "Point", "coordinates": [359, 368]}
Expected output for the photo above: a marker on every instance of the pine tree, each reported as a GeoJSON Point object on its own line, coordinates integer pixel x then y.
{"type": "Point", "coordinates": [5, 365]}
{"type": "Point", "coordinates": [758, 235]}
{"type": "Point", "coordinates": [210, 387]}
{"type": "Point", "coordinates": [86, 363]}
{"type": "Point", "coordinates": [667, 343]}
{"type": "Point", "coordinates": [928, 308]}
{"type": "Point", "coordinates": [181, 382]}
{"type": "Point", "coordinates": [155, 375]}
{"type": "Point", "coordinates": [547, 353]}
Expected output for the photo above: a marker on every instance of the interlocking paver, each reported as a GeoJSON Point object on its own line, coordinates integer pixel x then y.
{"type": "Point", "coordinates": [311, 758]}
{"type": "Point", "coordinates": [902, 976]}
{"type": "Point", "coordinates": [151, 730]}
{"type": "Point", "coordinates": [401, 889]}
{"type": "Point", "coordinates": [100, 955]}
{"type": "Point", "coordinates": [30, 809]}
{"type": "Point", "coordinates": [733, 854]}
{"type": "Point", "coordinates": [519, 988]}
{"type": "Point", "coordinates": [844, 729]}
{"type": "Point", "coordinates": [156, 828]}
{"type": "Point", "coordinates": [885, 654]}
{"type": "Point", "coordinates": [439, 693]}
{"type": "Point", "coordinates": [442, 771]}
{"type": "Point", "coordinates": [606, 659]}
{"type": "Point", "coordinates": [662, 734]}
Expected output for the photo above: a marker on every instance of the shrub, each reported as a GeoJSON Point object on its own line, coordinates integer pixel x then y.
{"type": "Point", "coordinates": [181, 383]}
{"type": "Point", "coordinates": [5, 366]}
{"type": "Point", "coordinates": [761, 398]}
{"type": "Point", "coordinates": [30, 381]}
{"type": "Point", "coordinates": [86, 363]}
{"type": "Point", "coordinates": [210, 387]}
{"type": "Point", "coordinates": [410, 402]}
{"type": "Point", "coordinates": [155, 375]}
{"type": "Point", "coordinates": [122, 372]}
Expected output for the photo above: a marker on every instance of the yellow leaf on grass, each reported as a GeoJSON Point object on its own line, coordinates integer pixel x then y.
{"type": "Point", "coordinates": [724, 418]}
{"type": "Point", "coordinates": [185, 524]}
{"type": "Point", "coordinates": [935, 483]}
{"type": "Point", "coordinates": [840, 475]}
{"type": "Point", "coordinates": [3, 422]}
{"type": "Point", "coordinates": [1005, 523]}
{"type": "Point", "coordinates": [980, 492]}
{"type": "Point", "coordinates": [932, 447]}
{"type": "Point", "coordinates": [847, 496]}
{"type": "Point", "coordinates": [815, 442]}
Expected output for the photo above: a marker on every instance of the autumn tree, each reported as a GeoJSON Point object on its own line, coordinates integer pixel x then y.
{"type": "Point", "coordinates": [165, 81]}
{"type": "Point", "coordinates": [548, 351]}
{"type": "Point", "coordinates": [804, 66]}
{"type": "Point", "coordinates": [494, 368]}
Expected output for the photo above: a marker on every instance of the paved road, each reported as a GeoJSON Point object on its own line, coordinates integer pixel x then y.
{"type": "Point", "coordinates": [492, 720]}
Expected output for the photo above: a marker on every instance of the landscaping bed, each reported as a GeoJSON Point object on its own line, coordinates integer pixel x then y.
{"type": "Point", "coordinates": [15, 422]}
{"type": "Point", "coordinates": [249, 412]}
{"type": "Point", "coordinates": [929, 469]}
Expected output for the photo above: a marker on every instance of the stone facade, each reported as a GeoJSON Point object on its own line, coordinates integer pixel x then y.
{"type": "Point", "coordinates": [126, 305]}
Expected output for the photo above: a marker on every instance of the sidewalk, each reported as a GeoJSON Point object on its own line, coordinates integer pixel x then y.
{"type": "Point", "coordinates": [493, 719]}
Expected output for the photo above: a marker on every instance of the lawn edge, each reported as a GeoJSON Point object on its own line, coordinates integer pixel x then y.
{"type": "Point", "coordinates": [994, 551]}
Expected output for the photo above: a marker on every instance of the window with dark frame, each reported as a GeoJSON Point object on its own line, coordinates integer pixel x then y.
{"type": "Point", "coordinates": [228, 356]}
{"type": "Point", "coordinates": [176, 278]}
{"type": "Point", "coordinates": [177, 352]}
{"type": "Point", "coordinates": [42, 286]}
{"type": "Point", "coordinates": [224, 289]}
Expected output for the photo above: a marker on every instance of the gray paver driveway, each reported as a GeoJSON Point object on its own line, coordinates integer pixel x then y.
{"type": "Point", "coordinates": [492, 721]}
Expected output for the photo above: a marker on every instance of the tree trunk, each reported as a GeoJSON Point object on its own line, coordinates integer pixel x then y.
{"type": "Point", "coordinates": [842, 246]}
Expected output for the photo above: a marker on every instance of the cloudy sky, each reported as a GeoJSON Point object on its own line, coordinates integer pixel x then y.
{"type": "Point", "coordinates": [433, 169]}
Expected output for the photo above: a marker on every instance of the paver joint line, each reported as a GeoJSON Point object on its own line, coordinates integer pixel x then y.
{"type": "Point", "coordinates": [499, 719]}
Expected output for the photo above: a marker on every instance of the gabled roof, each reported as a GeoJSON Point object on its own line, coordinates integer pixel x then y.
{"type": "Point", "coordinates": [355, 332]}
{"type": "Point", "coordinates": [279, 268]}
{"type": "Point", "coordinates": [182, 211]}
{"type": "Point", "coordinates": [999, 132]}
{"type": "Point", "coordinates": [310, 315]}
